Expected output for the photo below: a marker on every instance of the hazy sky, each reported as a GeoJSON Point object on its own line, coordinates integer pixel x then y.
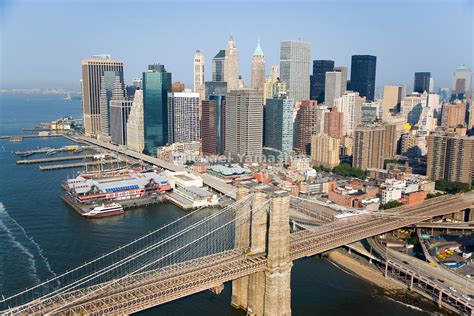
{"type": "Point", "coordinates": [42, 42]}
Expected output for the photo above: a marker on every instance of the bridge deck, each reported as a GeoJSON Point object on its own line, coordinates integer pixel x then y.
{"type": "Point", "coordinates": [145, 290]}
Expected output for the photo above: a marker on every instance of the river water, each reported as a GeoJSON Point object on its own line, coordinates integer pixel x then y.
{"type": "Point", "coordinates": [41, 236]}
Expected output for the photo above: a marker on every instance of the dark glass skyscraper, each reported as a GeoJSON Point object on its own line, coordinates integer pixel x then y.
{"type": "Point", "coordinates": [278, 125]}
{"type": "Point", "coordinates": [156, 85]}
{"type": "Point", "coordinates": [213, 118]}
{"type": "Point", "coordinates": [318, 79]}
{"type": "Point", "coordinates": [363, 69]}
{"type": "Point", "coordinates": [422, 82]}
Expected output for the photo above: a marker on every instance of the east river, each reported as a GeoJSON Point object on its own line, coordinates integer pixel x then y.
{"type": "Point", "coordinates": [41, 236]}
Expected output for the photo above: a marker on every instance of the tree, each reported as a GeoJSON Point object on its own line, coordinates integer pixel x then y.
{"type": "Point", "coordinates": [346, 170]}
{"type": "Point", "coordinates": [391, 204]}
{"type": "Point", "coordinates": [322, 168]}
{"type": "Point", "coordinates": [433, 195]}
{"type": "Point", "coordinates": [452, 187]}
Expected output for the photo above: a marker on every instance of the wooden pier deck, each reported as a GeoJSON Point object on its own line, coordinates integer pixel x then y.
{"type": "Point", "coordinates": [53, 159]}
{"type": "Point", "coordinates": [77, 165]}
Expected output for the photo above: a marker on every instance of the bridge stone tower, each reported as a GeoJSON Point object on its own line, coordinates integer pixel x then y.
{"type": "Point", "coordinates": [267, 231]}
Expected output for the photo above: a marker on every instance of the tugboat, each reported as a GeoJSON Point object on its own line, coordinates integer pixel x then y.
{"type": "Point", "coordinates": [105, 210]}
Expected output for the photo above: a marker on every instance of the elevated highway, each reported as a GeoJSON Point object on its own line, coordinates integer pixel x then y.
{"type": "Point", "coordinates": [211, 181]}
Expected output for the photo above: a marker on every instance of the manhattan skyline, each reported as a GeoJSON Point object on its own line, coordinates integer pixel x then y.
{"type": "Point", "coordinates": [405, 36]}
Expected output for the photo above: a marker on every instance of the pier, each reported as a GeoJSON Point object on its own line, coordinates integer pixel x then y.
{"type": "Point", "coordinates": [53, 159]}
{"type": "Point", "coordinates": [70, 148]}
{"type": "Point", "coordinates": [19, 138]}
{"type": "Point", "coordinates": [77, 165]}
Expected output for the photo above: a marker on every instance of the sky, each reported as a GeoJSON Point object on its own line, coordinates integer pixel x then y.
{"type": "Point", "coordinates": [43, 42]}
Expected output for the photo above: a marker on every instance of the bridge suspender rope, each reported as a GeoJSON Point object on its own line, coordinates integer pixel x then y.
{"type": "Point", "coordinates": [174, 256]}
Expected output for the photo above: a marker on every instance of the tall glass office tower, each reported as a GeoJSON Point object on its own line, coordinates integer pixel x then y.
{"type": "Point", "coordinates": [93, 70]}
{"type": "Point", "coordinates": [318, 78]}
{"type": "Point", "coordinates": [422, 82]}
{"type": "Point", "coordinates": [363, 69]}
{"type": "Point", "coordinates": [295, 59]}
{"type": "Point", "coordinates": [156, 85]}
{"type": "Point", "coordinates": [278, 125]}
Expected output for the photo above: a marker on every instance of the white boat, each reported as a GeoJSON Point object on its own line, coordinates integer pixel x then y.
{"type": "Point", "coordinates": [105, 210]}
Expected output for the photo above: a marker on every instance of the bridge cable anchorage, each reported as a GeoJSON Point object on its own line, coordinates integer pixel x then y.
{"type": "Point", "coordinates": [137, 266]}
{"type": "Point", "coordinates": [226, 224]}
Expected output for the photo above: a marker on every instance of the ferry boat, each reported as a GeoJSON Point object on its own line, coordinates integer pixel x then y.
{"type": "Point", "coordinates": [105, 210]}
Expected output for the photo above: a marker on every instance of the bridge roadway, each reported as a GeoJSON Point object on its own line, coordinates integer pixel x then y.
{"type": "Point", "coordinates": [211, 181]}
{"type": "Point", "coordinates": [427, 277]}
{"type": "Point", "coordinates": [447, 225]}
{"type": "Point", "coordinates": [148, 289]}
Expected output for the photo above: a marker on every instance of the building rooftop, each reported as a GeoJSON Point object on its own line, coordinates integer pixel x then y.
{"type": "Point", "coordinates": [258, 51]}
{"type": "Point", "coordinates": [220, 54]}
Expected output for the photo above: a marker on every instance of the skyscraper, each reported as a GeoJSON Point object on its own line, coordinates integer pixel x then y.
{"type": "Point", "coordinates": [258, 68]}
{"type": "Point", "coordinates": [309, 121]}
{"type": "Point", "coordinates": [295, 59]}
{"type": "Point", "coordinates": [462, 81]}
{"type": "Point", "coordinates": [93, 70]}
{"type": "Point", "coordinates": [156, 86]}
{"type": "Point", "coordinates": [349, 104]}
{"type": "Point", "coordinates": [198, 71]}
{"type": "Point", "coordinates": [213, 118]}
{"type": "Point", "coordinates": [332, 88]}
{"type": "Point", "coordinates": [453, 115]}
{"type": "Point", "coordinates": [183, 117]}
{"type": "Point", "coordinates": [444, 94]}
{"type": "Point", "coordinates": [412, 106]}
{"type": "Point", "coordinates": [324, 151]}
{"type": "Point", "coordinates": [318, 78]}
{"type": "Point", "coordinates": [333, 123]}
{"type": "Point", "coordinates": [422, 82]}
{"type": "Point", "coordinates": [135, 124]}
{"type": "Point", "coordinates": [112, 88]}
{"type": "Point", "coordinates": [244, 123]}
{"type": "Point", "coordinates": [392, 99]}
{"type": "Point", "coordinates": [372, 145]}
{"type": "Point", "coordinates": [218, 66]}
{"type": "Point", "coordinates": [363, 69]}
{"type": "Point", "coordinates": [450, 158]}
{"type": "Point", "coordinates": [279, 125]}
{"type": "Point", "coordinates": [119, 113]}
{"type": "Point", "coordinates": [343, 71]}
{"type": "Point", "coordinates": [137, 83]}
{"type": "Point", "coordinates": [231, 65]}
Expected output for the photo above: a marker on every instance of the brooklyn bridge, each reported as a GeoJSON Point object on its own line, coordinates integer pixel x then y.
{"type": "Point", "coordinates": [250, 243]}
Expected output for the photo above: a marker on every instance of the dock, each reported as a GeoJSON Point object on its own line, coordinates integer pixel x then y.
{"type": "Point", "coordinates": [77, 165]}
{"type": "Point", "coordinates": [127, 204]}
{"type": "Point", "coordinates": [57, 150]}
{"type": "Point", "coordinates": [53, 159]}
{"type": "Point", "coordinates": [19, 138]}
